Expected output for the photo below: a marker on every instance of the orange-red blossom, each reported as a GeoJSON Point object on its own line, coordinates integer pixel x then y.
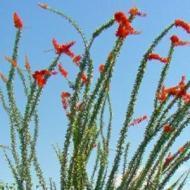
{"type": "Point", "coordinates": [17, 21]}
{"type": "Point", "coordinates": [182, 24]}
{"type": "Point", "coordinates": [63, 48]}
{"type": "Point", "coordinates": [176, 41]}
{"type": "Point", "coordinates": [177, 91]}
{"type": "Point", "coordinates": [77, 59]}
{"type": "Point", "coordinates": [40, 77]}
{"type": "Point", "coordinates": [101, 68]}
{"type": "Point", "coordinates": [62, 71]}
{"type": "Point", "coordinates": [155, 56]}
{"type": "Point", "coordinates": [134, 11]}
{"type": "Point", "coordinates": [125, 27]}
{"type": "Point", "coordinates": [84, 78]}
{"type": "Point", "coordinates": [181, 149]}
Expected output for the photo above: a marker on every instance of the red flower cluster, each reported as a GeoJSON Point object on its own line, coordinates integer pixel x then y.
{"type": "Point", "coordinates": [101, 68]}
{"type": "Point", "coordinates": [138, 120]}
{"type": "Point", "coordinates": [125, 27]}
{"type": "Point", "coordinates": [62, 71]}
{"type": "Point", "coordinates": [17, 21]}
{"type": "Point", "coordinates": [177, 91]}
{"type": "Point", "coordinates": [171, 157]}
{"type": "Point", "coordinates": [182, 24]}
{"type": "Point", "coordinates": [134, 11]}
{"type": "Point", "coordinates": [63, 48]}
{"type": "Point", "coordinates": [65, 99]}
{"type": "Point", "coordinates": [177, 42]}
{"type": "Point", "coordinates": [40, 77]}
{"type": "Point", "coordinates": [154, 56]}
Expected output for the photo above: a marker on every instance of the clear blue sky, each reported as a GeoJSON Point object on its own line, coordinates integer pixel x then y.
{"type": "Point", "coordinates": [41, 26]}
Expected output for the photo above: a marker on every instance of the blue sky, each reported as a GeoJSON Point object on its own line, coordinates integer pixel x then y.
{"type": "Point", "coordinates": [41, 26]}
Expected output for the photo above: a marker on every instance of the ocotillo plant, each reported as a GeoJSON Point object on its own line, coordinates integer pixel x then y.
{"type": "Point", "coordinates": [85, 107]}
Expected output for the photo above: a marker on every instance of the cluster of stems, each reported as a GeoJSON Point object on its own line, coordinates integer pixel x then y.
{"type": "Point", "coordinates": [89, 133]}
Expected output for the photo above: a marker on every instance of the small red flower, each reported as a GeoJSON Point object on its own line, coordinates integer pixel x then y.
{"type": "Point", "coordinates": [167, 128]}
{"type": "Point", "coordinates": [177, 42]}
{"type": "Point", "coordinates": [134, 11]}
{"type": "Point", "coordinates": [65, 99]}
{"type": "Point", "coordinates": [182, 24]}
{"type": "Point", "coordinates": [101, 68]}
{"type": "Point", "coordinates": [62, 71]}
{"type": "Point", "coordinates": [65, 94]}
{"type": "Point", "coordinates": [40, 77]}
{"type": "Point", "coordinates": [154, 56]}
{"type": "Point", "coordinates": [168, 160]}
{"type": "Point", "coordinates": [182, 87]}
{"type": "Point", "coordinates": [76, 59]}
{"type": "Point", "coordinates": [84, 78]}
{"type": "Point", "coordinates": [138, 120]}
{"type": "Point", "coordinates": [181, 149]}
{"type": "Point", "coordinates": [63, 48]}
{"type": "Point", "coordinates": [17, 21]}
